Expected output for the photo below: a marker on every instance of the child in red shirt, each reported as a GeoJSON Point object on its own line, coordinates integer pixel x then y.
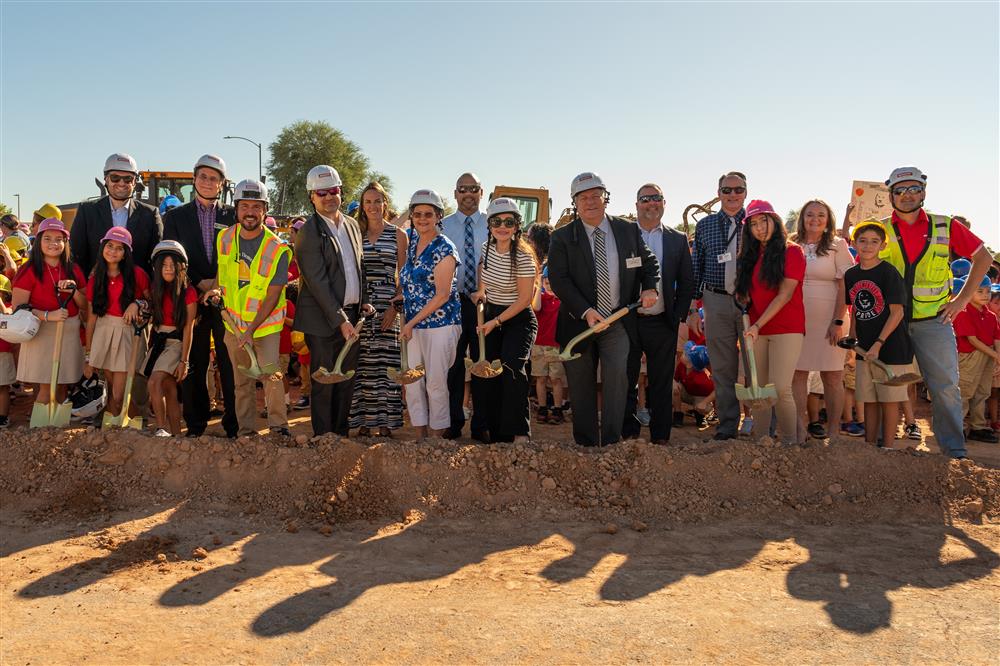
{"type": "Point", "coordinates": [545, 363]}
{"type": "Point", "coordinates": [977, 332]}
{"type": "Point", "coordinates": [693, 384]}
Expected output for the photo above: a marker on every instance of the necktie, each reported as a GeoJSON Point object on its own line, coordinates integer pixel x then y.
{"type": "Point", "coordinates": [469, 257]}
{"type": "Point", "coordinates": [601, 271]}
{"type": "Point", "coordinates": [731, 264]}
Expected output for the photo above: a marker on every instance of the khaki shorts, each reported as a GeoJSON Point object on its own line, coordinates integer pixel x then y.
{"type": "Point", "coordinates": [8, 371]}
{"type": "Point", "coordinates": [545, 362]}
{"type": "Point", "coordinates": [866, 390]}
{"type": "Point", "coordinates": [849, 377]}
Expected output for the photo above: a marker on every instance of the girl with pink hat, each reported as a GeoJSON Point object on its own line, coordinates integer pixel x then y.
{"type": "Point", "coordinates": [115, 286]}
{"type": "Point", "coordinates": [47, 282]}
{"type": "Point", "coordinates": [769, 275]}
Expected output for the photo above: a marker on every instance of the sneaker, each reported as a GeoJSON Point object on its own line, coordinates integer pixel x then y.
{"type": "Point", "coordinates": [711, 418]}
{"type": "Point", "coordinates": [542, 415]}
{"type": "Point", "coordinates": [853, 429]}
{"type": "Point", "coordinates": [816, 430]}
{"type": "Point", "coordinates": [746, 428]}
{"type": "Point", "coordinates": [912, 431]}
{"type": "Point", "coordinates": [984, 435]}
{"type": "Point", "coordinates": [281, 431]}
{"type": "Point", "coordinates": [556, 416]}
{"type": "Point", "coordinates": [699, 419]}
{"type": "Point", "coordinates": [301, 403]}
{"type": "Point", "coordinates": [162, 432]}
{"type": "Point", "coordinates": [642, 415]}
{"type": "Point", "coordinates": [4, 422]}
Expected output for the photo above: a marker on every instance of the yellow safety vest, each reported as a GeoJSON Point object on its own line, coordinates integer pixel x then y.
{"type": "Point", "coordinates": [928, 279]}
{"type": "Point", "coordinates": [243, 304]}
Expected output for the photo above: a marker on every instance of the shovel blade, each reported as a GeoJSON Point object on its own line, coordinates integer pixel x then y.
{"type": "Point", "coordinates": [469, 363]}
{"type": "Point", "coordinates": [39, 416]}
{"type": "Point", "coordinates": [324, 376]}
{"type": "Point", "coordinates": [395, 374]}
{"type": "Point", "coordinates": [121, 421]}
{"type": "Point", "coordinates": [58, 417]}
{"type": "Point", "coordinates": [901, 380]}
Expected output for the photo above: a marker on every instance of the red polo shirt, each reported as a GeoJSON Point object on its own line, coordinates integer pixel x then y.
{"type": "Point", "coordinates": [963, 242]}
{"type": "Point", "coordinates": [792, 317]}
{"type": "Point", "coordinates": [981, 323]}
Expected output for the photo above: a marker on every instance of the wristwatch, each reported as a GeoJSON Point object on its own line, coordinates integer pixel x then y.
{"type": "Point", "coordinates": [838, 322]}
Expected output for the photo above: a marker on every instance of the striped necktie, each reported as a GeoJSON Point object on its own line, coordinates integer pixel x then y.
{"type": "Point", "coordinates": [469, 258]}
{"type": "Point", "coordinates": [601, 271]}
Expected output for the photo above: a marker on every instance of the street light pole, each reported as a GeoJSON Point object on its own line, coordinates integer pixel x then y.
{"type": "Point", "coordinates": [18, 206]}
{"type": "Point", "coordinates": [260, 162]}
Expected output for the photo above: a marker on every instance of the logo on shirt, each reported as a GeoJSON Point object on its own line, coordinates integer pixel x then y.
{"type": "Point", "coordinates": [868, 300]}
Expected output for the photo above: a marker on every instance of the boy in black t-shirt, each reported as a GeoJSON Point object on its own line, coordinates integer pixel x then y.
{"type": "Point", "coordinates": [877, 296]}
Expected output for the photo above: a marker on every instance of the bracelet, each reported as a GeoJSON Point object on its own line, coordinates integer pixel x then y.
{"type": "Point", "coordinates": [46, 315]}
{"type": "Point", "coordinates": [880, 341]}
{"type": "Point", "coordinates": [838, 322]}
{"type": "Point", "coordinates": [499, 323]}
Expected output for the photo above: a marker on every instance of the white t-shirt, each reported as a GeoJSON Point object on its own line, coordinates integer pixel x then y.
{"type": "Point", "coordinates": [500, 278]}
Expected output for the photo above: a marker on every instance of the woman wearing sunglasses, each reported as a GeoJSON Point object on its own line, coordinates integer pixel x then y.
{"type": "Point", "coordinates": [508, 273]}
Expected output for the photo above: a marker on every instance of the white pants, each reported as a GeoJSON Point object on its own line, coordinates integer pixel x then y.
{"type": "Point", "coordinates": [427, 398]}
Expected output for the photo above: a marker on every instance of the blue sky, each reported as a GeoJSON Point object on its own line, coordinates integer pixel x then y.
{"type": "Point", "coordinates": [803, 97]}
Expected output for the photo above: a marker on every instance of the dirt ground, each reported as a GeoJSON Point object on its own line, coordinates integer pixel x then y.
{"type": "Point", "coordinates": [119, 548]}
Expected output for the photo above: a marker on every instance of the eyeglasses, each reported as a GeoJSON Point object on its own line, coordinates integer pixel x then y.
{"type": "Point", "coordinates": [732, 190]}
{"type": "Point", "coordinates": [508, 222]}
{"type": "Point", "coordinates": [908, 189]}
{"type": "Point", "coordinates": [423, 216]}
{"type": "Point", "coordinates": [327, 192]}
{"type": "Point", "coordinates": [646, 198]}
{"type": "Point", "coordinates": [115, 178]}
{"type": "Point", "coordinates": [468, 189]}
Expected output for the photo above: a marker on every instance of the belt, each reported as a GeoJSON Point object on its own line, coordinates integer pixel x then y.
{"type": "Point", "coordinates": [643, 314]}
{"type": "Point", "coordinates": [716, 290]}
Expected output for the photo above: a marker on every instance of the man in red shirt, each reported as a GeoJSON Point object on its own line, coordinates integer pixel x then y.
{"type": "Point", "coordinates": [919, 246]}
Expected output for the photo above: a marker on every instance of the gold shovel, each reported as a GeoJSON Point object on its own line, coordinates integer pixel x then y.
{"type": "Point", "coordinates": [891, 378]}
{"type": "Point", "coordinates": [757, 396]}
{"type": "Point", "coordinates": [404, 374]}
{"type": "Point", "coordinates": [53, 414]}
{"type": "Point", "coordinates": [482, 367]}
{"type": "Point", "coordinates": [254, 370]}
{"type": "Point", "coordinates": [567, 353]}
{"type": "Point", "coordinates": [123, 420]}
{"type": "Point", "coordinates": [324, 376]}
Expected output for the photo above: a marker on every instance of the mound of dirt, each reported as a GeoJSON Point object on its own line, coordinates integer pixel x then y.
{"type": "Point", "coordinates": [328, 480]}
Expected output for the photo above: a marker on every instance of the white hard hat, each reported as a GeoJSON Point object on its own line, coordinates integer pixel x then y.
{"type": "Point", "coordinates": [587, 180]}
{"type": "Point", "coordinates": [18, 327]}
{"type": "Point", "coordinates": [502, 205]}
{"type": "Point", "coordinates": [211, 161]}
{"type": "Point", "coordinates": [429, 197]}
{"type": "Point", "coordinates": [322, 177]}
{"type": "Point", "coordinates": [120, 162]}
{"type": "Point", "coordinates": [250, 190]}
{"type": "Point", "coordinates": [89, 398]}
{"type": "Point", "coordinates": [169, 247]}
{"type": "Point", "coordinates": [906, 173]}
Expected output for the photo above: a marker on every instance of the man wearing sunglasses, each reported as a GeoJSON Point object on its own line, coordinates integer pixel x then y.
{"type": "Point", "coordinates": [597, 265]}
{"type": "Point", "coordinates": [920, 245]}
{"type": "Point", "coordinates": [656, 327]}
{"type": "Point", "coordinates": [332, 296]}
{"type": "Point", "coordinates": [468, 230]}
{"type": "Point", "coordinates": [716, 245]}
{"type": "Point", "coordinates": [119, 209]}
{"type": "Point", "coordinates": [195, 225]}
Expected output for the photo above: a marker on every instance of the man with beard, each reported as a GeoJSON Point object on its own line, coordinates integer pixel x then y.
{"type": "Point", "coordinates": [919, 246]}
{"type": "Point", "coordinates": [118, 209]}
{"type": "Point", "coordinates": [467, 230]}
{"type": "Point", "coordinates": [332, 295]}
{"type": "Point", "coordinates": [253, 272]}
{"type": "Point", "coordinates": [195, 226]}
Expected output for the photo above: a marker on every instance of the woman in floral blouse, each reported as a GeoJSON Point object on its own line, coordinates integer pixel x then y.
{"type": "Point", "coordinates": [431, 311]}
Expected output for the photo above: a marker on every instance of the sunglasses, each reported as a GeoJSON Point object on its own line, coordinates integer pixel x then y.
{"type": "Point", "coordinates": [908, 189]}
{"type": "Point", "coordinates": [646, 198]}
{"type": "Point", "coordinates": [508, 222]}
{"type": "Point", "coordinates": [732, 190]}
{"type": "Point", "coordinates": [115, 178]}
{"type": "Point", "coordinates": [327, 192]}
{"type": "Point", "coordinates": [468, 189]}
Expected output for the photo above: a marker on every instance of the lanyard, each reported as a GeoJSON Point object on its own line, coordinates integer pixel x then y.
{"type": "Point", "coordinates": [736, 228]}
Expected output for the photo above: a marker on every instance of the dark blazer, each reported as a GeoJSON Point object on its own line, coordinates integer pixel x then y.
{"type": "Point", "coordinates": [181, 224]}
{"type": "Point", "coordinates": [92, 221]}
{"type": "Point", "coordinates": [677, 275]}
{"type": "Point", "coordinates": [319, 309]}
{"type": "Point", "coordinates": [571, 273]}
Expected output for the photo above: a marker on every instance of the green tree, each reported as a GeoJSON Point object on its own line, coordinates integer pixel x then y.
{"type": "Point", "coordinates": [5, 209]}
{"type": "Point", "coordinates": [301, 146]}
{"type": "Point", "coordinates": [791, 221]}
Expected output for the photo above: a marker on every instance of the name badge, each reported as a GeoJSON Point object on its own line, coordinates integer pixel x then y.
{"type": "Point", "coordinates": [633, 262]}
{"type": "Point", "coordinates": [724, 257]}
{"type": "Point", "coordinates": [221, 226]}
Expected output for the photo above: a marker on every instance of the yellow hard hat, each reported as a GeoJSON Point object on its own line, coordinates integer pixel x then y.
{"type": "Point", "coordinates": [864, 225]}
{"type": "Point", "coordinates": [49, 210]}
{"type": "Point", "coordinates": [16, 244]}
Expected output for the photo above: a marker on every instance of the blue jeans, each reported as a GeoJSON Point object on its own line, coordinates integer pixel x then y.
{"type": "Point", "coordinates": [937, 355]}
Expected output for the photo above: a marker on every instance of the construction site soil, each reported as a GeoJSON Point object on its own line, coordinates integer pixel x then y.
{"type": "Point", "coordinates": [122, 548]}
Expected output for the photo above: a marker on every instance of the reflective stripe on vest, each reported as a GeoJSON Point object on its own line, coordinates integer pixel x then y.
{"type": "Point", "coordinates": [929, 278]}
{"type": "Point", "coordinates": [244, 303]}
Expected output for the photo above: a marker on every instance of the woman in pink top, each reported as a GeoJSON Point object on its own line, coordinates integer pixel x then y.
{"type": "Point", "coordinates": [828, 257]}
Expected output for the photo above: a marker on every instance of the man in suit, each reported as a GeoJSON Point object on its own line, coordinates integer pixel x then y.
{"type": "Point", "coordinates": [598, 264]}
{"type": "Point", "coordinates": [195, 226]}
{"type": "Point", "coordinates": [119, 209]}
{"type": "Point", "coordinates": [656, 327]}
{"type": "Point", "coordinates": [332, 295]}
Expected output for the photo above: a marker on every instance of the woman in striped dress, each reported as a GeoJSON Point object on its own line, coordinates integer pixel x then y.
{"type": "Point", "coordinates": [377, 405]}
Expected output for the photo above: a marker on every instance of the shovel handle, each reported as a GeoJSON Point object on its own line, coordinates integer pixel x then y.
{"type": "Point", "coordinates": [750, 358]}
{"type": "Point", "coordinates": [481, 320]}
{"type": "Point", "coordinates": [604, 323]}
